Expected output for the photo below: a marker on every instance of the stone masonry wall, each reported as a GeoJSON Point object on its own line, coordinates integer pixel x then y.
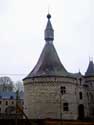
{"type": "Point", "coordinates": [44, 100]}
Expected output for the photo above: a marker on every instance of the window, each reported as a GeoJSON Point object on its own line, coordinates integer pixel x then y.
{"type": "Point", "coordinates": [12, 102]}
{"type": "Point", "coordinates": [65, 107]}
{"type": "Point", "coordinates": [6, 102]}
{"type": "Point", "coordinates": [80, 95]}
{"type": "Point", "coordinates": [63, 90]}
{"type": "Point", "coordinates": [0, 102]}
{"type": "Point", "coordinates": [0, 97]}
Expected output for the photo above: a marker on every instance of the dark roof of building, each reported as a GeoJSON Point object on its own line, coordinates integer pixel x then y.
{"type": "Point", "coordinates": [90, 69]}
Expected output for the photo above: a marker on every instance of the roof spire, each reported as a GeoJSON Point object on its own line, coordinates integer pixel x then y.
{"type": "Point", "coordinates": [49, 32]}
{"type": "Point", "coordinates": [90, 69]}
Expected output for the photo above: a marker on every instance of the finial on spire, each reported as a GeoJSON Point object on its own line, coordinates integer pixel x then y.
{"type": "Point", "coordinates": [49, 32]}
{"type": "Point", "coordinates": [48, 16]}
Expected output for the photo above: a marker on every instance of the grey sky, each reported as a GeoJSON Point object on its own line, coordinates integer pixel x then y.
{"type": "Point", "coordinates": [22, 24]}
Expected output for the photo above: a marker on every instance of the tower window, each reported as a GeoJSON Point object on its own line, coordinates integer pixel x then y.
{"type": "Point", "coordinates": [63, 90]}
{"type": "Point", "coordinates": [80, 95]}
{"type": "Point", "coordinates": [65, 106]}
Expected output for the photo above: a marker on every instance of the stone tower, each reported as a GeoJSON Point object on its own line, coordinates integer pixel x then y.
{"type": "Point", "coordinates": [50, 91]}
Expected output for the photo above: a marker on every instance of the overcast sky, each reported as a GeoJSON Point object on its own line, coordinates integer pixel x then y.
{"type": "Point", "coordinates": [22, 24]}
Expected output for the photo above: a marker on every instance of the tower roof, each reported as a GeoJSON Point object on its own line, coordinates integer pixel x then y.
{"type": "Point", "coordinates": [49, 63]}
{"type": "Point", "coordinates": [90, 69]}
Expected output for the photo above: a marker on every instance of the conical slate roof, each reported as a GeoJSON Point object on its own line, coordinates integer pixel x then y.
{"type": "Point", "coordinates": [90, 69]}
{"type": "Point", "coordinates": [49, 63]}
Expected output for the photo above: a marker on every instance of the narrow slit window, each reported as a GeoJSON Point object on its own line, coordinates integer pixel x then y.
{"type": "Point", "coordinates": [80, 95]}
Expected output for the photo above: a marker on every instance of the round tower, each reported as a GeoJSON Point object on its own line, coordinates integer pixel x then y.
{"type": "Point", "coordinates": [49, 90]}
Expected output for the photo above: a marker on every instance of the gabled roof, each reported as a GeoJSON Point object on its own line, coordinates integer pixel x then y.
{"type": "Point", "coordinates": [90, 69]}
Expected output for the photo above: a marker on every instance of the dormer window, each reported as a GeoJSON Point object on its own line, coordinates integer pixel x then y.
{"type": "Point", "coordinates": [11, 97]}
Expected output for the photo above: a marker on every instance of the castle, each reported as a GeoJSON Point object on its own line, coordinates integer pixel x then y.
{"type": "Point", "coordinates": [50, 91]}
